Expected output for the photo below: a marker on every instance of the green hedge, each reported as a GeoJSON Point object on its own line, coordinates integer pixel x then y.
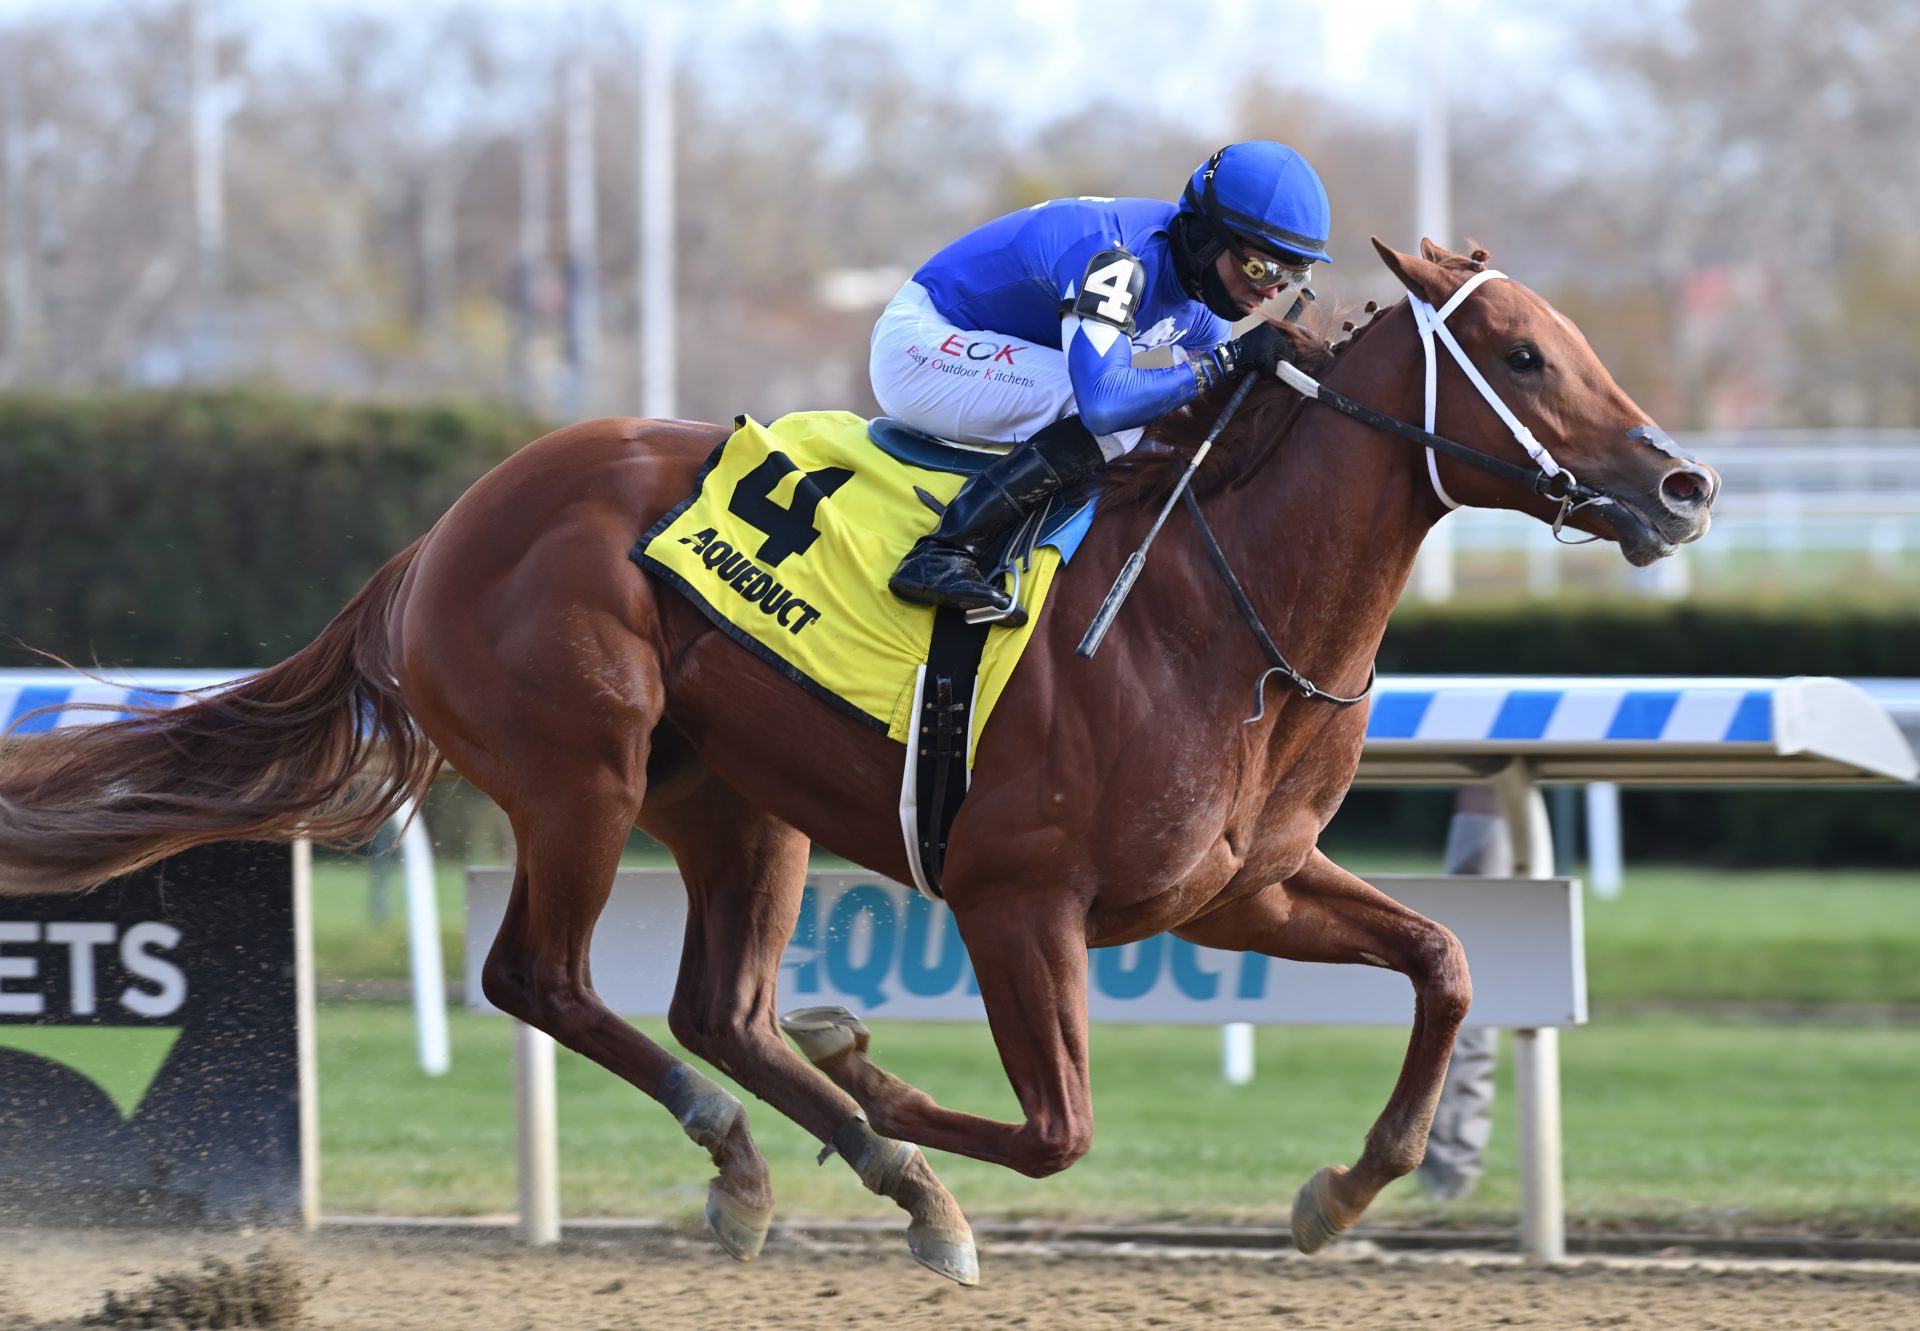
{"type": "Point", "coordinates": [1749, 827]}
{"type": "Point", "coordinates": [219, 528]}
{"type": "Point", "coordinates": [1644, 637]}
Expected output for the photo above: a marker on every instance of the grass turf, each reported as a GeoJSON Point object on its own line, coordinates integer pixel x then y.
{"type": "Point", "coordinates": [1667, 1119]}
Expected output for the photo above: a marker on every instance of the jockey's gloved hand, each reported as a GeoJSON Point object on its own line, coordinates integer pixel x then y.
{"type": "Point", "coordinates": [1260, 349]}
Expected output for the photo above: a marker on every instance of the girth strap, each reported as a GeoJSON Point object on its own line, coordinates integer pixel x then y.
{"type": "Point", "coordinates": [940, 731]}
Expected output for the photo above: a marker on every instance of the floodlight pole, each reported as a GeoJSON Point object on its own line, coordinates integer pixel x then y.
{"type": "Point", "coordinates": [1433, 217]}
{"type": "Point", "coordinates": [583, 277]}
{"type": "Point", "coordinates": [531, 269]}
{"type": "Point", "coordinates": [656, 270]}
{"type": "Point", "coordinates": [212, 99]}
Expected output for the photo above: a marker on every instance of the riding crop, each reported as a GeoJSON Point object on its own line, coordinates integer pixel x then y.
{"type": "Point", "coordinates": [1117, 595]}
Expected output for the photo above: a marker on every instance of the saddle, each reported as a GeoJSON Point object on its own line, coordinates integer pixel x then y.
{"type": "Point", "coordinates": [917, 448]}
{"type": "Point", "coordinates": [787, 553]}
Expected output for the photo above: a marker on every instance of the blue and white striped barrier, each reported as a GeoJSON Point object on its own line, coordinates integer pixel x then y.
{"type": "Point", "coordinates": [1804, 729]}
{"type": "Point", "coordinates": [1901, 698]}
{"type": "Point", "coordinates": [1563, 711]}
{"type": "Point", "coordinates": [1450, 728]}
{"type": "Point", "coordinates": [1422, 728]}
{"type": "Point", "coordinates": [24, 692]}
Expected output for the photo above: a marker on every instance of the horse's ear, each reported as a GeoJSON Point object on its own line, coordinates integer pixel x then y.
{"type": "Point", "coordinates": [1434, 253]}
{"type": "Point", "coordinates": [1423, 277]}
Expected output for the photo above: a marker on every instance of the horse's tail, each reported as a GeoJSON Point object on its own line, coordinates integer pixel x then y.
{"type": "Point", "coordinates": [321, 745]}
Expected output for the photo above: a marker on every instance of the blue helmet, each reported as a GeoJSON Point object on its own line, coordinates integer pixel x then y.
{"type": "Point", "coordinates": [1265, 194]}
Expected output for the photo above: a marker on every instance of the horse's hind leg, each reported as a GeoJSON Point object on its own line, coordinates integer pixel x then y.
{"type": "Point", "coordinates": [1032, 970]}
{"type": "Point", "coordinates": [1323, 913]}
{"type": "Point", "coordinates": [528, 650]}
{"type": "Point", "coordinates": [569, 847]}
{"type": "Point", "coordinates": [745, 873]}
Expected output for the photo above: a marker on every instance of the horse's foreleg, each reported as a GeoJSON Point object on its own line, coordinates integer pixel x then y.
{"type": "Point", "coordinates": [1326, 914]}
{"type": "Point", "coordinates": [745, 873]}
{"type": "Point", "coordinates": [537, 970]}
{"type": "Point", "coordinates": [1033, 979]}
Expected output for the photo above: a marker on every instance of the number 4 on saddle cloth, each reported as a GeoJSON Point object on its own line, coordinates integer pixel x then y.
{"type": "Point", "coordinates": [786, 544]}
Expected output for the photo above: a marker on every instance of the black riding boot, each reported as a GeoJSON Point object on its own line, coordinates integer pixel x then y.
{"type": "Point", "coordinates": [943, 567]}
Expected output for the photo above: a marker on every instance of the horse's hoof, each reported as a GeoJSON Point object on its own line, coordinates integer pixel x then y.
{"type": "Point", "coordinates": [741, 1229]}
{"type": "Point", "coordinates": [946, 1252]}
{"type": "Point", "coordinates": [1314, 1225]}
{"type": "Point", "coordinates": [822, 1032]}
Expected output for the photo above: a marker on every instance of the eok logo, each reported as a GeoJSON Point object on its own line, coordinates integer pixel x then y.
{"type": "Point", "coordinates": [995, 352]}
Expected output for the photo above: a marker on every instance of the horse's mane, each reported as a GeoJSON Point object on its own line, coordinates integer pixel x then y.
{"type": "Point", "coordinates": [1148, 474]}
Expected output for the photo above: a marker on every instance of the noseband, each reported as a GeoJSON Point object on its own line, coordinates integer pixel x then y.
{"type": "Point", "coordinates": [1545, 477]}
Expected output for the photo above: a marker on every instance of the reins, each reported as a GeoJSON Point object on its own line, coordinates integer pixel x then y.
{"type": "Point", "coordinates": [1117, 594]}
{"type": "Point", "coordinates": [1280, 666]}
{"type": "Point", "coordinates": [1545, 477]}
{"type": "Point", "coordinates": [1558, 485]}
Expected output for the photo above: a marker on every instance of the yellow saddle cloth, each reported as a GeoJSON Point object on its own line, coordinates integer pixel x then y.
{"type": "Point", "coordinates": [787, 544]}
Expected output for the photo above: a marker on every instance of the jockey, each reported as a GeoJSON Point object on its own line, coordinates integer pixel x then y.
{"type": "Point", "coordinates": [1024, 330]}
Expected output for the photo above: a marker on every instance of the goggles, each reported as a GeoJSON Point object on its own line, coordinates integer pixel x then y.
{"type": "Point", "coordinates": [1263, 271]}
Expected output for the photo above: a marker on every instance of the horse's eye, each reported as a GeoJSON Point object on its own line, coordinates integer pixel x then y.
{"type": "Point", "coordinates": [1524, 360]}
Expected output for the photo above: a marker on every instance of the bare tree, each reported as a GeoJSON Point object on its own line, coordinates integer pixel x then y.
{"type": "Point", "coordinates": [1720, 191]}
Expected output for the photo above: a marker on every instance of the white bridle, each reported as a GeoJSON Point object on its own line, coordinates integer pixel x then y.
{"type": "Point", "coordinates": [1432, 323]}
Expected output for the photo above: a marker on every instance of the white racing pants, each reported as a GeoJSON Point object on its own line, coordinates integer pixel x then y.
{"type": "Point", "coordinates": [970, 385]}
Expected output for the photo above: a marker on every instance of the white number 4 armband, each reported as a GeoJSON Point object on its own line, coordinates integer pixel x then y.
{"type": "Point", "coordinates": [1110, 291]}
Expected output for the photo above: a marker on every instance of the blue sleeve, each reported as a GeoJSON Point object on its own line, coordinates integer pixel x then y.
{"type": "Point", "coordinates": [1114, 394]}
{"type": "Point", "coordinates": [1100, 286]}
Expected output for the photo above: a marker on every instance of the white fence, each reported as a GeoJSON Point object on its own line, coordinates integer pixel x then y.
{"type": "Point", "coordinates": [883, 950]}
{"type": "Point", "coordinates": [1849, 497]}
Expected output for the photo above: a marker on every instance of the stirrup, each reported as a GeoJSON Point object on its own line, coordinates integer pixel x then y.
{"type": "Point", "coordinates": [932, 591]}
{"type": "Point", "coordinates": [1014, 616]}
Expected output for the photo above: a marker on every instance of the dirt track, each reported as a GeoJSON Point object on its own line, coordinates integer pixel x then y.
{"type": "Point", "coordinates": [375, 1281]}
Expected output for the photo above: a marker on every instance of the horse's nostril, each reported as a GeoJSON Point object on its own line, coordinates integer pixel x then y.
{"type": "Point", "coordinates": [1686, 489]}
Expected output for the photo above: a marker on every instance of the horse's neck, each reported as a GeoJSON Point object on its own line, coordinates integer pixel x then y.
{"type": "Point", "coordinates": [1326, 533]}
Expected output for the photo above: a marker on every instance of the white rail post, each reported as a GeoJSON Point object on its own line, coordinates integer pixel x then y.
{"type": "Point", "coordinates": [1536, 1053]}
{"type": "Point", "coordinates": [1236, 1052]}
{"type": "Point", "coordinates": [536, 1131]}
{"type": "Point", "coordinates": [423, 944]}
{"type": "Point", "coordinates": [1536, 1085]}
{"type": "Point", "coordinates": [1605, 857]}
{"type": "Point", "coordinates": [304, 1036]}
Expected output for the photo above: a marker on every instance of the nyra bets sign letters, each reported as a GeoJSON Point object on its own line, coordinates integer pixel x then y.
{"type": "Point", "coordinates": [148, 1046]}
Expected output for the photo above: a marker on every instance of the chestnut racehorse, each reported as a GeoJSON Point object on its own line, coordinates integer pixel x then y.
{"type": "Point", "coordinates": [1112, 798]}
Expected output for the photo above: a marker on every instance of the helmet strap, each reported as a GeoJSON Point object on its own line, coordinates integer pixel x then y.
{"type": "Point", "coordinates": [1197, 242]}
{"type": "Point", "coordinates": [1214, 294]}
